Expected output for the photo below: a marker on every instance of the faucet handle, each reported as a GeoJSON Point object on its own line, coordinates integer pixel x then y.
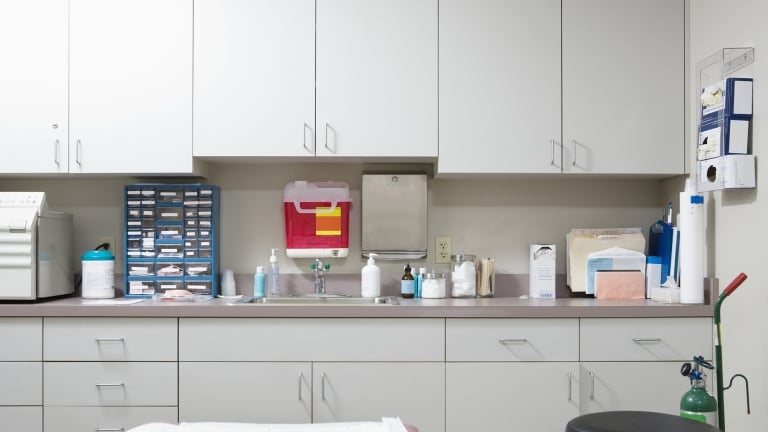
{"type": "Point", "coordinates": [318, 265]}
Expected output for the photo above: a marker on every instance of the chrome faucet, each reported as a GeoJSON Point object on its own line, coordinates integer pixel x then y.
{"type": "Point", "coordinates": [319, 268]}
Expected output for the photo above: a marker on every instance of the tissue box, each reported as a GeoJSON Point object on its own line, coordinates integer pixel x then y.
{"type": "Point", "coordinates": [542, 271]}
{"type": "Point", "coordinates": [727, 172]}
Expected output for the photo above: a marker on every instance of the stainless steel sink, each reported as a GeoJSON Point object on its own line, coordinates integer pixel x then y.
{"type": "Point", "coordinates": [312, 300]}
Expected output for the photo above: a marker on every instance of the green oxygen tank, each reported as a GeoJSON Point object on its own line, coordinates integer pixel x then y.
{"type": "Point", "coordinates": [697, 404]}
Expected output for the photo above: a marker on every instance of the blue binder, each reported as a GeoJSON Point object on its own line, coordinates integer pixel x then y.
{"type": "Point", "coordinates": [661, 243]}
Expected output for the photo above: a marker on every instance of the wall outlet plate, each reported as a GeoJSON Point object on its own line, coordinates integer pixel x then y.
{"type": "Point", "coordinates": [442, 250]}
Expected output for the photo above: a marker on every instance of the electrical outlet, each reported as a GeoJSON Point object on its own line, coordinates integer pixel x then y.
{"type": "Point", "coordinates": [442, 250]}
{"type": "Point", "coordinates": [110, 240]}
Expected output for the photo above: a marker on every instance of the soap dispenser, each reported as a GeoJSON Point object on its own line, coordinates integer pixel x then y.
{"type": "Point", "coordinates": [273, 290]}
{"type": "Point", "coordinates": [370, 278]}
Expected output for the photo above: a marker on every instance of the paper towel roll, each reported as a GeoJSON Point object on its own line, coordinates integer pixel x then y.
{"type": "Point", "coordinates": [691, 248]}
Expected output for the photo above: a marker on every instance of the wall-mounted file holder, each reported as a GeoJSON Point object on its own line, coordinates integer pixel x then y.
{"type": "Point", "coordinates": [723, 142]}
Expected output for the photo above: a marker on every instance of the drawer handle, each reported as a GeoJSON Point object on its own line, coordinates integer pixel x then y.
{"type": "Point", "coordinates": [301, 378]}
{"type": "Point", "coordinates": [569, 386]}
{"type": "Point", "coordinates": [100, 340]}
{"type": "Point", "coordinates": [513, 341]}
{"type": "Point", "coordinates": [591, 385]}
{"type": "Point", "coordinates": [101, 429]}
{"type": "Point", "coordinates": [646, 340]}
{"type": "Point", "coordinates": [110, 385]}
{"type": "Point", "coordinates": [322, 386]}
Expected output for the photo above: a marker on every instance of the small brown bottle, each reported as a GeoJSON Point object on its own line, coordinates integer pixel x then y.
{"type": "Point", "coordinates": [407, 283]}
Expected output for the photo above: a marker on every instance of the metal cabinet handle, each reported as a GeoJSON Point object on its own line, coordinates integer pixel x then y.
{"type": "Point", "coordinates": [78, 150]}
{"type": "Point", "coordinates": [575, 144]}
{"type": "Point", "coordinates": [322, 387]}
{"type": "Point", "coordinates": [511, 341]}
{"type": "Point", "coordinates": [110, 385]}
{"type": "Point", "coordinates": [552, 162]}
{"type": "Point", "coordinates": [99, 340]}
{"type": "Point", "coordinates": [569, 386]}
{"type": "Point", "coordinates": [591, 385]}
{"type": "Point", "coordinates": [56, 152]}
{"type": "Point", "coordinates": [646, 340]}
{"type": "Point", "coordinates": [327, 127]}
{"type": "Point", "coordinates": [101, 429]}
{"type": "Point", "coordinates": [310, 150]}
{"type": "Point", "coordinates": [301, 378]}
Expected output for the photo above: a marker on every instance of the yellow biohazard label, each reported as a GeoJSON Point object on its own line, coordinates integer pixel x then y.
{"type": "Point", "coordinates": [327, 221]}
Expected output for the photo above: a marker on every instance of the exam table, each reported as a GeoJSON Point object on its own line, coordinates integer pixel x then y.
{"type": "Point", "coordinates": [387, 424]}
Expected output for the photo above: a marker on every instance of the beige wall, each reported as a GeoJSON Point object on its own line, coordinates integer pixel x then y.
{"type": "Point", "coordinates": [496, 217]}
{"type": "Point", "coordinates": [737, 218]}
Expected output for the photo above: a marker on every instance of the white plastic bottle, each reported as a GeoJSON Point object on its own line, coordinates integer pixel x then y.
{"type": "Point", "coordinates": [273, 290]}
{"type": "Point", "coordinates": [370, 284]}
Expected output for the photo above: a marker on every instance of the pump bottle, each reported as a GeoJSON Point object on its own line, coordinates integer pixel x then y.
{"type": "Point", "coordinates": [274, 276]}
{"type": "Point", "coordinates": [370, 278]}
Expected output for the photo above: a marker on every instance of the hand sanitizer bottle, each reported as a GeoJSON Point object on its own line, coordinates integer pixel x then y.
{"type": "Point", "coordinates": [274, 276]}
{"type": "Point", "coordinates": [370, 278]}
{"type": "Point", "coordinates": [259, 282]}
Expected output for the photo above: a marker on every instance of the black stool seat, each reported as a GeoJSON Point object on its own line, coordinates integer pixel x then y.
{"type": "Point", "coordinates": [635, 421]}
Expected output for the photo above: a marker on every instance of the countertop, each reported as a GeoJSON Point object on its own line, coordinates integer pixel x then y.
{"type": "Point", "coordinates": [497, 307]}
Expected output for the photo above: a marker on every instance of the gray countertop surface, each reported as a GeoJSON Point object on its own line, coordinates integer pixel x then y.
{"type": "Point", "coordinates": [497, 307]}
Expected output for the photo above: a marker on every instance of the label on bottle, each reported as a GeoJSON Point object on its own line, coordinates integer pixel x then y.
{"type": "Point", "coordinates": [406, 287]}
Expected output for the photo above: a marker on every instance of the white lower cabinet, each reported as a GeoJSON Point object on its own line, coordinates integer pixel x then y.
{"type": "Point", "coordinates": [506, 396]}
{"type": "Point", "coordinates": [248, 392]}
{"type": "Point", "coordinates": [643, 386]}
{"type": "Point", "coordinates": [413, 391]}
{"type": "Point", "coordinates": [104, 419]}
{"type": "Point", "coordinates": [312, 370]}
{"type": "Point", "coordinates": [21, 374]}
{"type": "Point", "coordinates": [21, 418]}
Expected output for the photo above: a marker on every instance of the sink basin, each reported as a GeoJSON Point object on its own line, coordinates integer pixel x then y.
{"type": "Point", "coordinates": [307, 300]}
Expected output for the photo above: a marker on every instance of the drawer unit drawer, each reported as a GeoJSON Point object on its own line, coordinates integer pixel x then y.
{"type": "Point", "coordinates": [21, 339]}
{"type": "Point", "coordinates": [21, 383]}
{"type": "Point", "coordinates": [110, 384]}
{"type": "Point", "coordinates": [110, 339]}
{"type": "Point", "coordinates": [513, 339]}
{"type": "Point", "coordinates": [311, 339]}
{"type": "Point", "coordinates": [645, 339]}
{"type": "Point", "coordinates": [21, 419]}
{"type": "Point", "coordinates": [103, 419]}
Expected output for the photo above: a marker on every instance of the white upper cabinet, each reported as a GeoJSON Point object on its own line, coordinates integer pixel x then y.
{"type": "Point", "coordinates": [33, 86]}
{"type": "Point", "coordinates": [377, 78]}
{"type": "Point", "coordinates": [623, 86]}
{"type": "Point", "coordinates": [130, 86]}
{"type": "Point", "coordinates": [499, 86]}
{"type": "Point", "coordinates": [254, 74]}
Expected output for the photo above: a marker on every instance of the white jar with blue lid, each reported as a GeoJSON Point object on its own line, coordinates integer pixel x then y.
{"type": "Point", "coordinates": [98, 280]}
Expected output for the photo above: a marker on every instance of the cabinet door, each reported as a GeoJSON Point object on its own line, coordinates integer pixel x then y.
{"type": "Point", "coordinates": [643, 386]}
{"type": "Point", "coordinates": [105, 419]}
{"type": "Point", "coordinates": [254, 78]}
{"type": "Point", "coordinates": [130, 86]}
{"type": "Point", "coordinates": [33, 86]}
{"type": "Point", "coordinates": [21, 418]}
{"type": "Point", "coordinates": [623, 86]}
{"type": "Point", "coordinates": [247, 392]}
{"type": "Point", "coordinates": [499, 86]}
{"type": "Point", "coordinates": [377, 78]}
{"type": "Point", "coordinates": [499, 397]}
{"type": "Point", "coordinates": [414, 391]}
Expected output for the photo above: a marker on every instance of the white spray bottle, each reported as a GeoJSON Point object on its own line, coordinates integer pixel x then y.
{"type": "Point", "coordinates": [370, 284]}
{"type": "Point", "coordinates": [273, 289]}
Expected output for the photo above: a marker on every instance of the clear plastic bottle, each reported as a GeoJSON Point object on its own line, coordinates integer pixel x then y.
{"type": "Point", "coordinates": [370, 284]}
{"type": "Point", "coordinates": [274, 276]}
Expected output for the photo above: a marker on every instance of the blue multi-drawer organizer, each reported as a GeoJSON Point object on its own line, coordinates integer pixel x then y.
{"type": "Point", "coordinates": [171, 238]}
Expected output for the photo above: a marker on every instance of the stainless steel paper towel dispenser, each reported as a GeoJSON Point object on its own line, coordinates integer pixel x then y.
{"type": "Point", "coordinates": [394, 216]}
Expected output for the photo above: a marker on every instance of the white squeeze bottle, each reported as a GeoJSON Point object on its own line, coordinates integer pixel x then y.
{"type": "Point", "coordinates": [273, 290]}
{"type": "Point", "coordinates": [370, 278]}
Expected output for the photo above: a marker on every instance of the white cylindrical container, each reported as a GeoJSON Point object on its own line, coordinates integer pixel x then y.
{"type": "Point", "coordinates": [433, 286]}
{"type": "Point", "coordinates": [691, 249]}
{"type": "Point", "coordinates": [98, 280]}
{"type": "Point", "coordinates": [463, 276]}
